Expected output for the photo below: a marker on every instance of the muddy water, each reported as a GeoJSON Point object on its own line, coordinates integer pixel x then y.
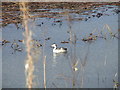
{"type": "Point", "coordinates": [97, 60]}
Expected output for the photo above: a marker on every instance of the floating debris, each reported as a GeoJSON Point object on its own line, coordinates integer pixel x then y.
{"type": "Point", "coordinates": [90, 38]}
{"type": "Point", "coordinates": [39, 45]}
{"type": "Point", "coordinates": [58, 21]}
{"type": "Point", "coordinates": [84, 39]}
{"type": "Point", "coordinates": [36, 43]}
{"type": "Point", "coordinates": [64, 42]}
{"type": "Point", "coordinates": [48, 38]}
{"type": "Point", "coordinates": [21, 40]}
{"type": "Point", "coordinates": [93, 15]}
{"type": "Point", "coordinates": [99, 15]}
{"type": "Point", "coordinates": [4, 42]}
{"type": "Point", "coordinates": [91, 34]}
{"type": "Point", "coordinates": [39, 25]}
{"type": "Point", "coordinates": [16, 47]}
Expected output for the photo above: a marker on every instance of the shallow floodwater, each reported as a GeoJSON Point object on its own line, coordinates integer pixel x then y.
{"type": "Point", "coordinates": [97, 60]}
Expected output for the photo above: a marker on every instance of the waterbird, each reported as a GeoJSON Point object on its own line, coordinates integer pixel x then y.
{"type": "Point", "coordinates": [58, 50]}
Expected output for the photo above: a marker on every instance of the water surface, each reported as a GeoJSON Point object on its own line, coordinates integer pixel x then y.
{"type": "Point", "coordinates": [97, 60]}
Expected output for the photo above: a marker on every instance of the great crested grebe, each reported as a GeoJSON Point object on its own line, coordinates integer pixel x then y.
{"type": "Point", "coordinates": [58, 50]}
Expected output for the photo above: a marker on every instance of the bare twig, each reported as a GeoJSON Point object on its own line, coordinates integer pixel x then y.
{"type": "Point", "coordinates": [44, 63]}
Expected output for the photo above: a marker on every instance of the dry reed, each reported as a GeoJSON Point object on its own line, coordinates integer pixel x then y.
{"type": "Point", "coordinates": [29, 64]}
{"type": "Point", "coordinates": [44, 64]}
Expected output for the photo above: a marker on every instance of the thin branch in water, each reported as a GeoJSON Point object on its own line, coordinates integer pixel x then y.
{"type": "Point", "coordinates": [44, 64]}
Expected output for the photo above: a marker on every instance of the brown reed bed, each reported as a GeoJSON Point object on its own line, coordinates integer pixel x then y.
{"type": "Point", "coordinates": [11, 11]}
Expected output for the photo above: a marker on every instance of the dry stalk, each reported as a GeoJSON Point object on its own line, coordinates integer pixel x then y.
{"type": "Point", "coordinates": [44, 64]}
{"type": "Point", "coordinates": [29, 64]}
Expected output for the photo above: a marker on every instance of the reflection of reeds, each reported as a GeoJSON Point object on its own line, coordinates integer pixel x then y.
{"type": "Point", "coordinates": [44, 56]}
{"type": "Point", "coordinates": [83, 63]}
{"type": "Point", "coordinates": [29, 65]}
{"type": "Point", "coordinates": [109, 31]}
{"type": "Point", "coordinates": [73, 39]}
{"type": "Point", "coordinates": [74, 61]}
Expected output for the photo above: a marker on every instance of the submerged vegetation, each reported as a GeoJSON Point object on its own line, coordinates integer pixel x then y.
{"type": "Point", "coordinates": [21, 14]}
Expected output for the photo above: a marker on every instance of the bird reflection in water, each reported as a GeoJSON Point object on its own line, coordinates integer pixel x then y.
{"type": "Point", "coordinates": [57, 56]}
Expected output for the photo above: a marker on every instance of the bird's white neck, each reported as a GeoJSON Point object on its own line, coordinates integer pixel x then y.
{"type": "Point", "coordinates": [55, 47]}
